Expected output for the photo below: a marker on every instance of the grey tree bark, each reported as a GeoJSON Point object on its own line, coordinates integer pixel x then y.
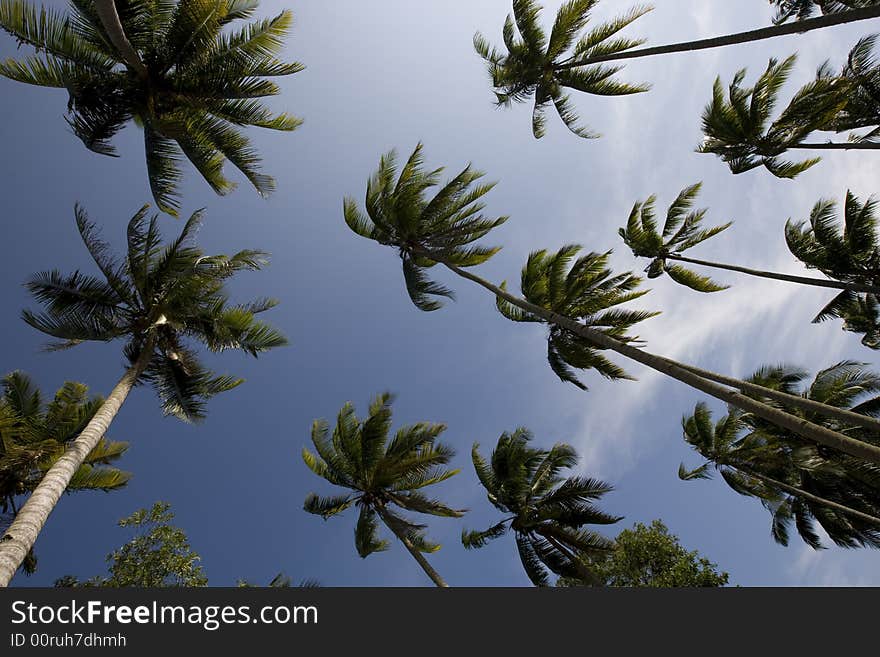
{"type": "Point", "coordinates": [106, 10]}
{"type": "Point", "coordinates": [21, 535]}
{"type": "Point", "coordinates": [800, 426]}
{"type": "Point", "coordinates": [416, 554]}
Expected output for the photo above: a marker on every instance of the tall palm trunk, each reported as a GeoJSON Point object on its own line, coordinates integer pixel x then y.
{"type": "Point", "coordinates": [837, 146]}
{"type": "Point", "coordinates": [804, 403]}
{"type": "Point", "coordinates": [21, 535]}
{"type": "Point", "coordinates": [106, 10]}
{"type": "Point", "coordinates": [416, 554]}
{"type": "Point", "coordinates": [740, 37]}
{"type": "Point", "coordinates": [797, 492]}
{"type": "Point", "coordinates": [803, 280]}
{"type": "Point", "coordinates": [800, 426]}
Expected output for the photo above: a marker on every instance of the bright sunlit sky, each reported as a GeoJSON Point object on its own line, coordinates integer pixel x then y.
{"type": "Point", "coordinates": [386, 74]}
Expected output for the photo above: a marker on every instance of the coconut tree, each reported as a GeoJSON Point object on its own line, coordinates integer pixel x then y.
{"type": "Point", "coordinates": [546, 512]}
{"type": "Point", "coordinates": [157, 299]}
{"type": "Point", "coordinates": [181, 70]}
{"type": "Point", "coordinates": [682, 230]}
{"type": "Point", "coordinates": [862, 109]}
{"type": "Point", "coordinates": [738, 128]}
{"type": "Point", "coordinates": [384, 477]}
{"type": "Point", "coordinates": [534, 64]}
{"type": "Point", "coordinates": [441, 230]}
{"type": "Point", "coordinates": [848, 253]}
{"type": "Point", "coordinates": [35, 434]}
{"type": "Point", "coordinates": [803, 9]}
{"type": "Point", "coordinates": [796, 480]}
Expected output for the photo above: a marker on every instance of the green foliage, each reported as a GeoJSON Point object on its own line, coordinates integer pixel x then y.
{"type": "Point", "coordinates": [204, 78]}
{"type": "Point", "coordinates": [535, 65]}
{"type": "Point", "coordinates": [803, 9]}
{"type": "Point", "coordinates": [847, 253]}
{"type": "Point", "coordinates": [159, 555]}
{"type": "Point", "coordinates": [425, 230]}
{"type": "Point", "coordinates": [754, 457]}
{"type": "Point", "coordinates": [548, 512]}
{"type": "Point", "coordinates": [681, 231]}
{"type": "Point", "coordinates": [738, 128]}
{"type": "Point", "coordinates": [587, 291]}
{"type": "Point", "coordinates": [158, 298]}
{"type": "Point", "coordinates": [649, 556]}
{"type": "Point", "coordinates": [383, 475]}
{"type": "Point", "coordinates": [34, 435]}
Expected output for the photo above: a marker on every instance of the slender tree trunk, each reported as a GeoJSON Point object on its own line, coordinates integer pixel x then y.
{"type": "Point", "coordinates": [837, 146]}
{"type": "Point", "coordinates": [800, 426]}
{"type": "Point", "coordinates": [761, 34]}
{"type": "Point", "coordinates": [106, 10]}
{"type": "Point", "coordinates": [584, 572]}
{"type": "Point", "coordinates": [21, 535]}
{"type": "Point", "coordinates": [802, 280]}
{"type": "Point", "coordinates": [810, 405]}
{"type": "Point", "coordinates": [416, 554]}
{"type": "Point", "coordinates": [797, 492]}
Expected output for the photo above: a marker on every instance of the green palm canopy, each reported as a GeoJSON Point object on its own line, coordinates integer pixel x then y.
{"type": "Point", "coordinates": [545, 511]}
{"type": "Point", "coordinates": [192, 76]}
{"type": "Point", "coordinates": [158, 298]}
{"type": "Point", "coordinates": [543, 67]}
{"type": "Point", "coordinates": [799, 482]}
{"type": "Point", "coordinates": [803, 9]}
{"type": "Point", "coordinates": [585, 290]}
{"type": "Point", "coordinates": [739, 127]}
{"type": "Point", "coordinates": [682, 230]}
{"type": "Point", "coordinates": [848, 253]}
{"type": "Point", "coordinates": [383, 476]}
{"type": "Point", "coordinates": [35, 434]}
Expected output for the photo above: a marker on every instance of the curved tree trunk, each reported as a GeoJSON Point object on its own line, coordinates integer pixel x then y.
{"type": "Point", "coordinates": [21, 535]}
{"type": "Point", "coordinates": [418, 556]}
{"type": "Point", "coordinates": [800, 426]}
{"type": "Point", "coordinates": [761, 34]}
{"type": "Point", "coordinates": [106, 10]}
{"type": "Point", "coordinates": [802, 280]}
{"type": "Point", "coordinates": [810, 405]}
{"type": "Point", "coordinates": [837, 146]}
{"type": "Point", "coordinates": [585, 574]}
{"type": "Point", "coordinates": [797, 492]}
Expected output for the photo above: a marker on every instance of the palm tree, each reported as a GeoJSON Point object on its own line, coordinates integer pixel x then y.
{"type": "Point", "coordinates": [738, 129]}
{"type": "Point", "coordinates": [848, 253]}
{"type": "Point", "coordinates": [441, 230]}
{"type": "Point", "coordinates": [156, 299]}
{"type": "Point", "coordinates": [547, 512]}
{"type": "Point", "coordinates": [803, 9]}
{"type": "Point", "coordinates": [794, 479]}
{"type": "Point", "coordinates": [681, 231]}
{"type": "Point", "coordinates": [534, 64]}
{"type": "Point", "coordinates": [381, 475]}
{"type": "Point", "coordinates": [177, 68]}
{"type": "Point", "coordinates": [34, 435]}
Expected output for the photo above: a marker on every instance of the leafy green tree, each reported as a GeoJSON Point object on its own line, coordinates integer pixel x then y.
{"type": "Point", "coordinates": [381, 475]}
{"type": "Point", "coordinates": [158, 555]}
{"type": "Point", "coordinates": [649, 556]}
{"type": "Point", "coordinates": [179, 69]}
{"type": "Point", "coordinates": [803, 9]}
{"type": "Point", "coordinates": [682, 230]}
{"type": "Point", "coordinates": [848, 253]}
{"type": "Point", "coordinates": [34, 435]}
{"type": "Point", "coordinates": [537, 65]}
{"type": "Point", "coordinates": [862, 110]}
{"type": "Point", "coordinates": [795, 480]}
{"type": "Point", "coordinates": [547, 513]}
{"type": "Point", "coordinates": [441, 230]}
{"type": "Point", "coordinates": [158, 298]}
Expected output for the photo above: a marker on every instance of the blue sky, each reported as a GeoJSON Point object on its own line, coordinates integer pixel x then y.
{"type": "Point", "coordinates": [387, 74]}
